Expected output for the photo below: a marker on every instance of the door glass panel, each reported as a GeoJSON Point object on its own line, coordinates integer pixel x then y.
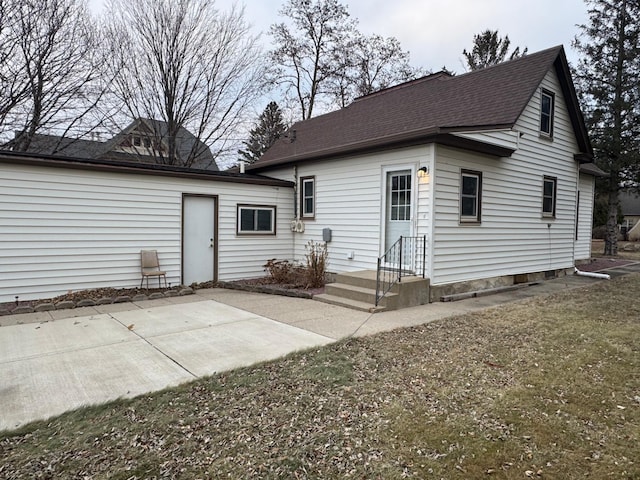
{"type": "Point", "coordinates": [400, 205]}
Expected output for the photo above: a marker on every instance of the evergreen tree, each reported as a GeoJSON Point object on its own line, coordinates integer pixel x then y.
{"type": "Point", "coordinates": [490, 49]}
{"type": "Point", "coordinates": [268, 129]}
{"type": "Point", "coordinates": [608, 76]}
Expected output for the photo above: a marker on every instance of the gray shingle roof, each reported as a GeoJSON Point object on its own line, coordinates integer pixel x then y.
{"type": "Point", "coordinates": [107, 150]}
{"type": "Point", "coordinates": [426, 108]}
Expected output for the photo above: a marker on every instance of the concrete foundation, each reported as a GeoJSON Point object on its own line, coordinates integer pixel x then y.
{"type": "Point", "coordinates": [437, 292]}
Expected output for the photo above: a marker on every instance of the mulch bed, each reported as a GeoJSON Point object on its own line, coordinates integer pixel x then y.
{"type": "Point", "coordinates": [100, 295]}
{"type": "Point", "coordinates": [598, 264]}
{"type": "Point", "coordinates": [266, 285]}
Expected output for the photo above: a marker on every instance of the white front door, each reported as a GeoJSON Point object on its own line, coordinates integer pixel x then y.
{"type": "Point", "coordinates": [398, 206]}
{"type": "Point", "coordinates": [198, 239]}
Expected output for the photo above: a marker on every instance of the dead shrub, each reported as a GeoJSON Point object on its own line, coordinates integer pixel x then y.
{"type": "Point", "coordinates": [281, 271]}
{"type": "Point", "coordinates": [316, 258]}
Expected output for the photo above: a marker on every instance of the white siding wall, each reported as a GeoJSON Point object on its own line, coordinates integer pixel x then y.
{"type": "Point", "coordinates": [349, 200]}
{"type": "Point", "coordinates": [585, 217]}
{"type": "Point", "coordinates": [63, 229]}
{"type": "Point", "coordinates": [513, 237]}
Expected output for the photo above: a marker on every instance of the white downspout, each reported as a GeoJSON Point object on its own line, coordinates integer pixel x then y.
{"type": "Point", "coordinates": [603, 276]}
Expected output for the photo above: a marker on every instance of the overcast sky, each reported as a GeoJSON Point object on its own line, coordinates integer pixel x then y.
{"type": "Point", "coordinates": [436, 31]}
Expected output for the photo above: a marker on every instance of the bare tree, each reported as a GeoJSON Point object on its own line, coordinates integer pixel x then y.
{"type": "Point", "coordinates": [371, 64]}
{"type": "Point", "coordinates": [187, 65]}
{"type": "Point", "coordinates": [48, 68]}
{"type": "Point", "coordinates": [12, 90]}
{"type": "Point", "coordinates": [311, 52]}
{"type": "Point", "coordinates": [323, 60]}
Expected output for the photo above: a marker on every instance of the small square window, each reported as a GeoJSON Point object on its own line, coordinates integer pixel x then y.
{"type": "Point", "coordinates": [547, 101]}
{"type": "Point", "coordinates": [256, 219]}
{"type": "Point", "coordinates": [308, 197]}
{"type": "Point", "coordinates": [470, 196]}
{"type": "Point", "coordinates": [549, 194]}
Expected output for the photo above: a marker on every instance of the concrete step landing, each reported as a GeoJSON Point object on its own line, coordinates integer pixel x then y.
{"type": "Point", "coordinates": [357, 290]}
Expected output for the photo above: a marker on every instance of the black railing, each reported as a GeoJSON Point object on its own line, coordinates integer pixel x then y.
{"type": "Point", "coordinates": [404, 258]}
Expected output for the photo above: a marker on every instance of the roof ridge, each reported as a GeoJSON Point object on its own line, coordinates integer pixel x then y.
{"type": "Point", "coordinates": [511, 61]}
{"type": "Point", "coordinates": [441, 75]}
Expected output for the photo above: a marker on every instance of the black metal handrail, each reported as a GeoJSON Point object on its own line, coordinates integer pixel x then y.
{"type": "Point", "coordinates": [406, 257]}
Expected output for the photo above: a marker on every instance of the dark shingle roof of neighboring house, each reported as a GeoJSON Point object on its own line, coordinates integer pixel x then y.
{"type": "Point", "coordinates": [55, 145]}
{"type": "Point", "coordinates": [108, 150]}
{"type": "Point", "coordinates": [629, 203]}
{"type": "Point", "coordinates": [428, 109]}
{"type": "Point", "coordinates": [186, 143]}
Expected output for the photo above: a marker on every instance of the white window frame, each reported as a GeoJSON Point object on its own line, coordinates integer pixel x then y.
{"type": "Point", "coordinates": [255, 209]}
{"type": "Point", "coordinates": [552, 101]}
{"type": "Point", "coordinates": [304, 213]}
{"type": "Point", "coordinates": [477, 197]}
{"type": "Point", "coordinates": [554, 196]}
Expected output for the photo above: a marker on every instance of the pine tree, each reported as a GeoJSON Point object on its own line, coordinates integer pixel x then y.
{"type": "Point", "coordinates": [608, 76]}
{"type": "Point", "coordinates": [490, 49]}
{"type": "Point", "coordinates": [268, 129]}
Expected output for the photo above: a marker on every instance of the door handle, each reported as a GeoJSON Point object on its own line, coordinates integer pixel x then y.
{"type": "Point", "coordinates": [211, 242]}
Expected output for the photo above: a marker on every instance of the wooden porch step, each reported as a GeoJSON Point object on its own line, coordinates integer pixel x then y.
{"type": "Point", "coordinates": [348, 303]}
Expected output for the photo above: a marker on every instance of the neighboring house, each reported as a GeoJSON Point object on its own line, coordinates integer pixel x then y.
{"type": "Point", "coordinates": [508, 188]}
{"type": "Point", "coordinates": [142, 141]}
{"type": "Point", "coordinates": [630, 206]}
{"type": "Point", "coordinates": [75, 224]}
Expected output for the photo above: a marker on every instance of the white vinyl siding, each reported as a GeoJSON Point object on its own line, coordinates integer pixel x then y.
{"type": "Point", "coordinates": [513, 237]}
{"type": "Point", "coordinates": [64, 229]}
{"type": "Point", "coordinates": [349, 200]}
{"type": "Point", "coordinates": [585, 217]}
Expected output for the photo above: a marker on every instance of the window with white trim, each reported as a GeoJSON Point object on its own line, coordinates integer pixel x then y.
{"type": "Point", "coordinates": [470, 196]}
{"type": "Point", "coordinates": [308, 197]}
{"type": "Point", "coordinates": [256, 219]}
{"type": "Point", "coordinates": [547, 100]}
{"type": "Point", "coordinates": [549, 194]}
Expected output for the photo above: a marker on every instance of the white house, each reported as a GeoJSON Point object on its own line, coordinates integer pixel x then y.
{"type": "Point", "coordinates": [491, 168]}
{"type": "Point", "coordinates": [71, 224]}
{"type": "Point", "coordinates": [507, 187]}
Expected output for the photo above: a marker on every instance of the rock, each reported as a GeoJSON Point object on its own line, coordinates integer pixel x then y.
{"type": "Point", "coordinates": [139, 298]}
{"type": "Point", "coordinates": [22, 309]}
{"type": "Point", "coordinates": [186, 291]}
{"type": "Point", "coordinates": [87, 302]}
{"type": "Point", "coordinates": [122, 299]}
{"type": "Point", "coordinates": [156, 295]}
{"type": "Point", "coordinates": [170, 293]}
{"type": "Point", "coordinates": [65, 304]}
{"type": "Point", "coordinates": [104, 301]}
{"type": "Point", "coordinates": [44, 307]}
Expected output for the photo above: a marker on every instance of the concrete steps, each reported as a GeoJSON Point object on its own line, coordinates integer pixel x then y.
{"type": "Point", "coordinates": [357, 290]}
{"type": "Point", "coordinates": [348, 303]}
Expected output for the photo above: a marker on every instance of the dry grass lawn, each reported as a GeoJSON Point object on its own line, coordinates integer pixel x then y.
{"type": "Point", "coordinates": [626, 250]}
{"type": "Point", "coordinates": [548, 388]}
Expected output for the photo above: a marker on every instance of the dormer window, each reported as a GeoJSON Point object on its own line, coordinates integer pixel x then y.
{"type": "Point", "coordinates": [136, 140]}
{"type": "Point", "coordinates": [547, 100]}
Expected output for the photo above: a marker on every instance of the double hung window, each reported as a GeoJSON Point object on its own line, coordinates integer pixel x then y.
{"type": "Point", "coordinates": [470, 196]}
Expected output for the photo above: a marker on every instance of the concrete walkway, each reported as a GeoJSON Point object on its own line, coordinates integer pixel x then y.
{"type": "Point", "coordinates": [52, 362]}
